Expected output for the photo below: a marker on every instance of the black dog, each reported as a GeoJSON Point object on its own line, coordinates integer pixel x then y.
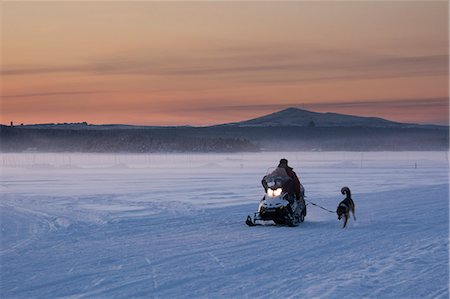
{"type": "Point", "coordinates": [346, 206]}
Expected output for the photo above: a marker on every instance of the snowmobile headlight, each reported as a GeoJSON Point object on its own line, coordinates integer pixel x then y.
{"type": "Point", "coordinates": [274, 193]}
{"type": "Point", "coordinates": [277, 192]}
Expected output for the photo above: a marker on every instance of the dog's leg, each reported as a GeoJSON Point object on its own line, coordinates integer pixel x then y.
{"type": "Point", "coordinates": [345, 220]}
{"type": "Point", "coordinates": [353, 212]}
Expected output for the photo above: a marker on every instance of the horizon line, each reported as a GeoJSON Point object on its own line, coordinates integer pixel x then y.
{"type": "Point", "coordinates": [11, 123]}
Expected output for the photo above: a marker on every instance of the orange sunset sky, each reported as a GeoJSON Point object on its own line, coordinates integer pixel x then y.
{"type": "Point", "coordinates": [201, 63]}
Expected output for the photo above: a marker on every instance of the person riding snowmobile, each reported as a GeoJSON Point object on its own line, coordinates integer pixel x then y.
{"type": "Point", "coordinates": [292, 186]}
{"type": "Point", "coordinates": [284, 198]}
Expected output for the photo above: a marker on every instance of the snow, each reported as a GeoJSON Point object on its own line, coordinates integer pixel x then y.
{"type": "Point", "coordinates": [172, 226]}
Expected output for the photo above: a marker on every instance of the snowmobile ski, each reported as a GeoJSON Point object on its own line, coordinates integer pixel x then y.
{"type": "Point", "coordinates": [250, 222]}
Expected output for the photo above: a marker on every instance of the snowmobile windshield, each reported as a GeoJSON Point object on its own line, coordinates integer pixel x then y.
{"type": "Point", "coordinates": [276, 177]}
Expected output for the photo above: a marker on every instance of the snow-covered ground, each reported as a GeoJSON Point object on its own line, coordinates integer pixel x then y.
{"type": "Point", "coordinates": [172, 226]}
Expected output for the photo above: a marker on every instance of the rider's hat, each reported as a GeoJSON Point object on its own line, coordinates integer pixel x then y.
{"type": "Point", "coordinates": [283, 162]}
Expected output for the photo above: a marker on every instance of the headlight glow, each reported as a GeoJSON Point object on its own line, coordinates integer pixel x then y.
{"type": "Point", "coordinates": [277, 192]}
{"type": "Point", "coordinates": [274, 193]}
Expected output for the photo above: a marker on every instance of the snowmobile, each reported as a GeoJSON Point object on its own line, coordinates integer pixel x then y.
{"type": "Point", "coordinates": [278, 205]}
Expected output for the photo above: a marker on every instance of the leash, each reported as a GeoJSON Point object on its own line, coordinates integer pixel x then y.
{"type": "Point", "coordinates": [319, 206]}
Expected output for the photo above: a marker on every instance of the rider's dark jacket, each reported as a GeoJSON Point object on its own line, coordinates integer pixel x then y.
{"type": "Point", "coordinates": [293, 186]}
{"type": "Point", "coordinates": [291, 173]}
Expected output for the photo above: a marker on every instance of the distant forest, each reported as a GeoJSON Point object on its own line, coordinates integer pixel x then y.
{"type": "Point", "coordinates": [115, 140]}
{"type": "Point", "coordinates": [222, 139]}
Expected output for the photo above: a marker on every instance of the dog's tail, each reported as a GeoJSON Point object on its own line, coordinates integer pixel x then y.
{"type": "Point", "coordinates": [346, 191]}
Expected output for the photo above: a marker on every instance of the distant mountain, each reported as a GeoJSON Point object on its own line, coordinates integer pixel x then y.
{"type": "Point", "coordinates": [290, 117]}
{"type": "Point", "coordinates": [304, 118]}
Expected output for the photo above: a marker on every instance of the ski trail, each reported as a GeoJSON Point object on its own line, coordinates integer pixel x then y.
{"type": "Point", "coordinates": [98, 281]}
{"type": "Point", "coordinates": [218, 261]}
{"type": "Point", "coordinates": [152, 270]}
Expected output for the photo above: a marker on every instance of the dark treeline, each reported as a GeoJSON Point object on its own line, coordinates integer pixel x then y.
{"type": "Point", "coordinates": [223, 139]}
{"type": "Point", "coordinates": [115, 140]}
{"type": "Point", "coordinates": [339, 138]}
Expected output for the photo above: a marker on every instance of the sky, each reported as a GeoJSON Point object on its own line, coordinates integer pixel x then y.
{"type": "Point", "coordinates": [203, 63]}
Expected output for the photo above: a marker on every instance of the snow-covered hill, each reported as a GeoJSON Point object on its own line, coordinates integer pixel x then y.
{"type": "Point", "coordinates": [172, 226]}
{"type": "Point", "coordinates": [287, 117]}
{"type": "Point", "coordinates": [304, 118]}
